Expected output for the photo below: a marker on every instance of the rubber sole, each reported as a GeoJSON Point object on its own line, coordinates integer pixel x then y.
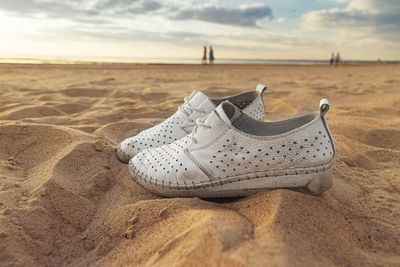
{"type": "Point", "coordinates": [314, 181]}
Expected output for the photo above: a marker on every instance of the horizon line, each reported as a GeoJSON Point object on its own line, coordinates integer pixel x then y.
{"type": "Point", "coordinates": [173, 60]}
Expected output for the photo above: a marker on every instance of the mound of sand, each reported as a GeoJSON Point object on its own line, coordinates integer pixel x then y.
{"type": "Point", "coordinates": [65, 199]}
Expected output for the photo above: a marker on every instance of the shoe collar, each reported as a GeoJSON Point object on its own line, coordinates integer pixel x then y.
{"type": "Point", "coordinates": [228, 112]}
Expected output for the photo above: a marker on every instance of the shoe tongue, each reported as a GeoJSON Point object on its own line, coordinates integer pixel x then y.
{"type": "Point", "coordinates": [196, 98]}
{"type": "Point", "coordinates": [228, 112]}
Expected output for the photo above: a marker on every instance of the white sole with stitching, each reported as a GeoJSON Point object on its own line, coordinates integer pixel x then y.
{"type": "Point", "coordinates": [314, 181]}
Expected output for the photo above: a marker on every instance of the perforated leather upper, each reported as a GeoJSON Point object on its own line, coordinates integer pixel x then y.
{"type": "Point", "coordinates": [224, 152]}
{"type": "Point", "coordinates": [171, 129]}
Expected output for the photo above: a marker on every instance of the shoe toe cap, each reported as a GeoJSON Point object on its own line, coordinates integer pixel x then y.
{"type": "Point", "coordinates": [128, 149]}
{"type": "Point", "coordinates": [139, 165]}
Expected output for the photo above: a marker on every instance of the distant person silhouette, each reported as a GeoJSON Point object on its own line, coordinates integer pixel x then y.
{"type": "Point", "coordinates": [379, 61]}
{"type": "Point", "coordinates": [332, 59]}
{"type": "Point", "coordinates": [204, 59]}
{"type": "Point", "coordinates": [211, 57]}
{"type": "Point", "coordinates": [337, 59]}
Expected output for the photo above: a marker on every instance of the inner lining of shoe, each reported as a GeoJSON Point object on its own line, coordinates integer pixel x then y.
{"type": "Point", "coordinates": [241, 101]}
{"type": "Point", "coordinates": [249, 125]}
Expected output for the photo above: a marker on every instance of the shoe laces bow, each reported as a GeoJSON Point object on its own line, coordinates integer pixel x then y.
{"type": "Point", "coordinates": [200, 122]}
{"type": "Point", "coordinates": [189, 121]}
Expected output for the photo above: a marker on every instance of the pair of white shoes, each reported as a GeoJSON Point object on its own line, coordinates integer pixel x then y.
{"type": "Point", "coordinates": [222, 148]}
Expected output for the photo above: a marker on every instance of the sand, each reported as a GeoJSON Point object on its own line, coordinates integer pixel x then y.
{"type": "Point", "coordinates": [65, 199]}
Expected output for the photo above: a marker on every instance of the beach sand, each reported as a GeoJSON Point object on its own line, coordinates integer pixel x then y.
{"type": "Point", "coordinates": [65, 199]}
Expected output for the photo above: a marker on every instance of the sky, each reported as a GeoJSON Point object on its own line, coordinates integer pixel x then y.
{"type": "Point", "coordinates": [238, 29]}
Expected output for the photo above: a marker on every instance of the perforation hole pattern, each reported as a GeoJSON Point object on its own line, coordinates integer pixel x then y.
{"type": "Point", "coordinates": [233, 156]}
{"type": "Point", "coordinates": [168, 163]}
{"type": "Point", "coordinates": [256, 109]}
{"type": "Point", "coordinates": [170, 131]}
{"type": "Point", "coordinates": [161, 134]}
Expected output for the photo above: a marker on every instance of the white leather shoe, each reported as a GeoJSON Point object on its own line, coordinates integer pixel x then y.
{"type": "Point", "coordinates": [230, 154]}
{"type": "Point", "coordinates": [197, 105]}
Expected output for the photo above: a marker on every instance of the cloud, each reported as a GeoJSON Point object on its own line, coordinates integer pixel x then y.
{"type": "Point", "coordinates": [102, 10]}
{"type": "Point", "coordinates": [243, 16]}
{"type": "Point", "coordinates": [78, 10]}
{"type": "Point", "coordinates": [280, 20]}
{"type": "Point", "coordinates": [115, 7]}
{"type": "Point", "coordinates": [372, 16]}
{"type": "Point", "coordinates": [28, 7]}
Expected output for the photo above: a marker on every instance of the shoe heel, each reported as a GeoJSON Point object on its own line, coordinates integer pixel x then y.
{"type": "Point", "coordinates": [321, 182]}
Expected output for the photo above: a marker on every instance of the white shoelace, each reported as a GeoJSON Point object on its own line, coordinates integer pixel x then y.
{"type": "Point", "coordinates": [190, 122]}
{"type": "Point", "coordinates": [199, 123]}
